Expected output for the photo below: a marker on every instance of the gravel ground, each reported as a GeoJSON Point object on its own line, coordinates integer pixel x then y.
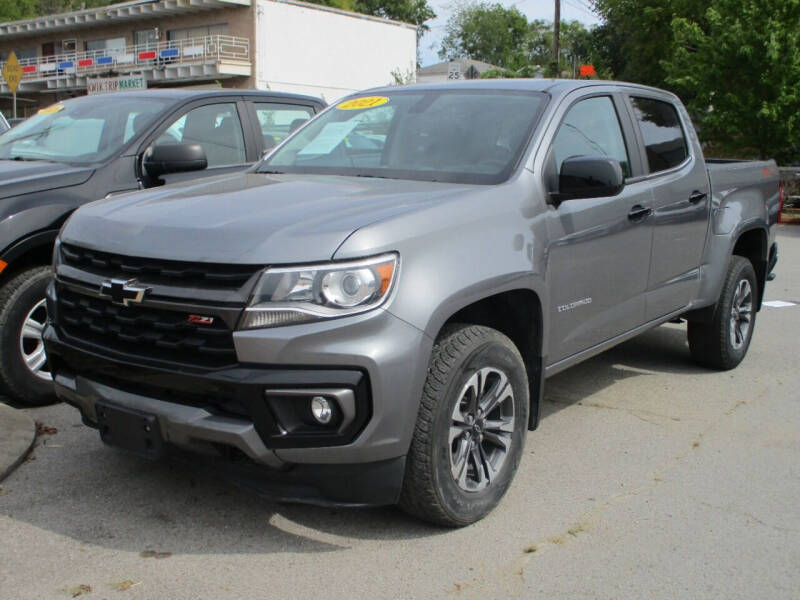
{"type": "Point", "coordinates": [648, 477]}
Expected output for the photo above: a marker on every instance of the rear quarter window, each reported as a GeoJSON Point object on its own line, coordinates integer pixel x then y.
{"type": "Point", "coordinates": [662, 133]}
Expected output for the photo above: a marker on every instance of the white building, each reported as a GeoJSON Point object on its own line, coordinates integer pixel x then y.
{"type": "Point", "coordinates": [265, 44]}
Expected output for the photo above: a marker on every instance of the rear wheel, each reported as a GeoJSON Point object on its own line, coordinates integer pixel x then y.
{"type": "Point", "coordinates": [24, 372]}
{"type": "Point", "coordinates": [723, 342]}
{"type": "Point", "coordinates": [470, 429]}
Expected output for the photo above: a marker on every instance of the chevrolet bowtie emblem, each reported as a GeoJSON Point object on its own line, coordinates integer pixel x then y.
{"type": "Point", "coordinates": [123, 291]}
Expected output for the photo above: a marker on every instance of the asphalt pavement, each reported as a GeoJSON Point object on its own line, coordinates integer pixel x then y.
{"type": "Point", "coordinates": [649, 477]}
{"type": "Point", "coordinates": [17, 433]}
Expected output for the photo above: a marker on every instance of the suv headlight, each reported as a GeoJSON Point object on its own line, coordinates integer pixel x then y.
{"type": "Point", "coordinates": [289, 295]}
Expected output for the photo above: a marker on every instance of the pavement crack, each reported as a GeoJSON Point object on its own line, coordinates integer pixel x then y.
{"type": "Point", "coordinates": [750, 516]}
{"type": "Point", "coordinates": [638, 413]}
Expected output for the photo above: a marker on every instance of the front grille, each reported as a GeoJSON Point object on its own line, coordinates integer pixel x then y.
{"type": "Point", "coordinates": [158, 334]}
{"type": "Point", "coordinates": [156, 271]}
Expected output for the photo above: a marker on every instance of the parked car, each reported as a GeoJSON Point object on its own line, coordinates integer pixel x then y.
{"type": "Point", "coordinates": [368, 316]}
{"type": "Point", "coordinates": [93, 147]}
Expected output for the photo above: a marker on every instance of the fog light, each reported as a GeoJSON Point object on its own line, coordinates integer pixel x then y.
{"type": "Point", "coordinates": [321, 409]}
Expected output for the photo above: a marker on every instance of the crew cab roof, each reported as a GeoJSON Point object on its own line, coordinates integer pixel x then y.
{"type": "Point", "coordinates": [553, 87]}
{"type": "Point", "coordinates": [180, 94]}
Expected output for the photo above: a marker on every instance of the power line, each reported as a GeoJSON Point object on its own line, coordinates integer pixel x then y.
{"type": "Point", "coordinates": [580, 7]}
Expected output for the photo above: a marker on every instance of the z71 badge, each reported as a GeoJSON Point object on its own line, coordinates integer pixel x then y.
{"type": "Point", "coordinates": [200, 320]}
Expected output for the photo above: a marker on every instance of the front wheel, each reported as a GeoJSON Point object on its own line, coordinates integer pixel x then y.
{"type": "Point", "coordinates": [723, 342]}
{"type": "Point", "coordinates": [470, 429]}
{"type": "Point", "coordinates": [24, 373]}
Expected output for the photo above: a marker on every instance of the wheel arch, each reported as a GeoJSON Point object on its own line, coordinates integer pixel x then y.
{"type": "Point", "coordinates": [752, 244]}
{"type": "Point", "coordinates": [34, 249]}
{"type": "Point", "coordinates": [518, 314]}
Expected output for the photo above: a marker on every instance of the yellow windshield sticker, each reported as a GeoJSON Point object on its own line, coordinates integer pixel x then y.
{"type": "Point", "coordinates": [51, 110]}
{"type": "Point", "coordinates": [361, 103]}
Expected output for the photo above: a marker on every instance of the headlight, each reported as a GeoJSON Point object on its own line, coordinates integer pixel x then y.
{"type": "Point", "coordinates": [289, 295]}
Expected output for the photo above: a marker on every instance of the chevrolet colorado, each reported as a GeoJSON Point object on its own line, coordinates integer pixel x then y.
{"type": "Point", "coordinates": [92, 147]}
{"type": "Point", "coordinates": [368, 316]}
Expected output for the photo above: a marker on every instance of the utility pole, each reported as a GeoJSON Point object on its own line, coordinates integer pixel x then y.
{"type": "Point", "coordinates": [556, 33]}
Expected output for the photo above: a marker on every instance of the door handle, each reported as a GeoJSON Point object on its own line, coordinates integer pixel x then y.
{"type": "Point", "coordinates": [639, 212]}
{"type": "Point", "coordinates": [696, 197]}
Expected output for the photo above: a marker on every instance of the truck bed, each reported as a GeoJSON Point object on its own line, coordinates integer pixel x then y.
{"type": "Point", "coordinates": [742, 190]}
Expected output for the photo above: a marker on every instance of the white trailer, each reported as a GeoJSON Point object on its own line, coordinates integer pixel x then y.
{"type": "Point", "coordinates": [329, 53]}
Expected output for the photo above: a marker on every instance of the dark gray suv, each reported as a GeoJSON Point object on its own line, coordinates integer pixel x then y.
{"type": "Point", "coordinates": [94, 147]}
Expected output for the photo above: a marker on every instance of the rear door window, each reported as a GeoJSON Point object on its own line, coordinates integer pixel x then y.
{"type": "Point", "coordinates": [662, 133]}
{"type": "Point", "coordinates": [277, 121]}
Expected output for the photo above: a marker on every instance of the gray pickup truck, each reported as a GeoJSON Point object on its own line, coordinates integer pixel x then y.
{"type": "Point", "coordinates": [368, 316]}
{"type": "Point", "coordinates": [92, 147]}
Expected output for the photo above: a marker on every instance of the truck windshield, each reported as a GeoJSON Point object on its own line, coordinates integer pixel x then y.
{"type": "Point", "coordinates": [80, 131]}
{"type": "Point", "coordinates": [456, 136]}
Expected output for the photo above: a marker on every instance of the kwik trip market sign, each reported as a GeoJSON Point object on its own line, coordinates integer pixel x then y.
{"type": "Point", "coordinates": [105, 85]}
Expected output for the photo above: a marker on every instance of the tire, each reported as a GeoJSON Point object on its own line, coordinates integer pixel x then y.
{"type": "Point", "coordinates": [466, 358]}
{"type": "Point", "coordinates": [723, 342]}
{"type": "Point", "coordinates": [21, 300]}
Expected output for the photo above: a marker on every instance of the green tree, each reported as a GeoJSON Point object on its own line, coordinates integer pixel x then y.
{"type": "Point", "coordinates": [340, 4]}
{"type": "Point", "coordinates": [14, 10]}
{"type": "Point", "coordinates": [740, 65]}
{"type": "Point", "coordinates": [636, 35]}
{"type": "Point", "coordinates": [575, 42]}
{"type": "Point", "coordinates": [488, 32]}
{"type": "Point", "coordinates": [408, 11]}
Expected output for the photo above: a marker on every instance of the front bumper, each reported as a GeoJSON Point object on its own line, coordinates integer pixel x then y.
{"type": "Point", "coordinates": [226, 412]}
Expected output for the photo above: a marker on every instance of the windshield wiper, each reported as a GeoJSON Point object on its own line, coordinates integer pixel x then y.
{"type": "Point", "coordinates": [372, 176]}
{"type": "Point", "coordinates": [271, 172]}
{"type": "Point", "coordinates": [26, 158]}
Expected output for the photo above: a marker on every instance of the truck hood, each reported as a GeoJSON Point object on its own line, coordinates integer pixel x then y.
{"type": "Point", "coordinates": [19, 177]}
{"type": "Point", "coordinates": [248, 218]}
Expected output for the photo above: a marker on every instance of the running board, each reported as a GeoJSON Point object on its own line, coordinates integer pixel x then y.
{"type": "Point", "coordinates": [565, 363]}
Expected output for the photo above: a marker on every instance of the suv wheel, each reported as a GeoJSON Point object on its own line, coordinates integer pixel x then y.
{"type": "Point", "coordinates": [470, 429]}
{"type": "Point", "coordinates": [24, 372]}
{"type": "Point", "coordinates": [723, 343]}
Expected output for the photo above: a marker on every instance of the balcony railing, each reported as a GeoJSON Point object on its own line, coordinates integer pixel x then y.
{"type": "Point", "coordinates": [201, 50]}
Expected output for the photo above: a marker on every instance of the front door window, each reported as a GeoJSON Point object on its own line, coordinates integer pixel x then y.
{"type": "Point", "coordinates": [216, 127]}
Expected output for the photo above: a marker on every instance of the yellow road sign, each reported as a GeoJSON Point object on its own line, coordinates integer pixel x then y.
{"type": "Point", "coordinates": [12, 73]}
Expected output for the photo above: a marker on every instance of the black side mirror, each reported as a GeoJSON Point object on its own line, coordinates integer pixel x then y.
{"type": "Point", "coordinates": [589, 177]}
{"type": "Point", "coordinates": [174, 158]}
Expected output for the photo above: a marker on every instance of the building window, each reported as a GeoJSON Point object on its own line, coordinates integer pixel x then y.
{"type": "Point", "coordinates": [105, 47]}
{"type": "Point", "coordinates": [145, 37]}
{"type": "Point", "coordinates": [22, 54]}
{"type": "Point", "coordinates": [175, 35]}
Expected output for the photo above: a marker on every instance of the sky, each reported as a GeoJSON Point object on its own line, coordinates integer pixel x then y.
{"type": "Point", "coordinates": [577, 10]}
